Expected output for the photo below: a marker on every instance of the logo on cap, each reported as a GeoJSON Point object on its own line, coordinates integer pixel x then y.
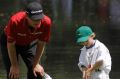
{"type": "Point", "coordinates": [39, 11]}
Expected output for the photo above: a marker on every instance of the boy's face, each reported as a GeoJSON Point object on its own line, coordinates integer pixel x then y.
{"type": "Point", "coordinates": [84, 43]}
{"type": "Point", "coordinates": [87, 43]}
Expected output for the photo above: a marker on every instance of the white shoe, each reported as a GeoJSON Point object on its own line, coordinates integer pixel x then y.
{"type": "Point", "coordinates": [46, 76]}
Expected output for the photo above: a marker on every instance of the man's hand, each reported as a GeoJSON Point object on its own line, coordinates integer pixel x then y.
{"type": "Point", "coordinates": [38, 70]}
{"type": "Point", "coordinates": [14, 72]}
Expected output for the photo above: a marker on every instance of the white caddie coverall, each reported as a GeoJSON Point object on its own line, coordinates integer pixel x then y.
{"type": "Point", "coordinates": [98, 52]}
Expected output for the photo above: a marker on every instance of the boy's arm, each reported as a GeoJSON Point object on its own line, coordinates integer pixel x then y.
{"type": "Point", "coordinates": [97, 65]}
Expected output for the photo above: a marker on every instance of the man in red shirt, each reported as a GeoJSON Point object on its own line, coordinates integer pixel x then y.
{"type": "Point", "coordinates": [26, 34]}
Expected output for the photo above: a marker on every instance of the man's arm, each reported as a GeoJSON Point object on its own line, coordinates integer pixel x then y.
{"type": "Point", "coordinates": [37, 68]}
{"type": "Point", "coordinates": [39, 52]}
{"type": "Point", "coordinates": [12, 53]}
{"type": "Point", "coordinates": [14, 70]}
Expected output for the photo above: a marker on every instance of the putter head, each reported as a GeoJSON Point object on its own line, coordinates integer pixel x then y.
{"type": "Point", "coordinates": [46, 76]}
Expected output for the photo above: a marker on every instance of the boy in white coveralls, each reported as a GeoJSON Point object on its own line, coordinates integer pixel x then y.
{"type": "Point", "coordinates": [94, 59]}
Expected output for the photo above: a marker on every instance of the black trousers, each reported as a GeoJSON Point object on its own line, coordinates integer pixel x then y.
{"type": "Point", "coordinates": [26, 52]}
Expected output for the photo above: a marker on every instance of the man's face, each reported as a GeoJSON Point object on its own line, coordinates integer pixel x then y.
{"type": "Point", "coordinates": [33, 23]}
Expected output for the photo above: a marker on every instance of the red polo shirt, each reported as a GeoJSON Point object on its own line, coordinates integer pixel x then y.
{"type": "Point", "coordinates": [17, 30]}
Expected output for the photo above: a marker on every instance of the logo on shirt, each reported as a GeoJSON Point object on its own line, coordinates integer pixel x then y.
{"type": "Point", "coordinates": [37, 33]}
{"type": "Point", "coordinates": [20, 34]}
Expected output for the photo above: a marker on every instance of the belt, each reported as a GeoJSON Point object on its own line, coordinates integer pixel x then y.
{"type": "Point", "coordinates": [97, 70]}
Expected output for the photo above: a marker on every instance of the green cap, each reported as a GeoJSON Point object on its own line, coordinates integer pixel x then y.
{"type": "Point", "coordinates": [83, 33]}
